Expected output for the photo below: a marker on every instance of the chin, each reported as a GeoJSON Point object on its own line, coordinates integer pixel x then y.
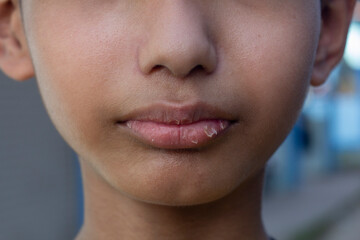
{"type": "Point", "coordinates": [180, 192]}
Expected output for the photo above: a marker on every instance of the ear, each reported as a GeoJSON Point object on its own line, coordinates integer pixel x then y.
{"type": "Point", "coordinates": [15, 60]}
{"type": "Point", "coordinates": [336, 18]}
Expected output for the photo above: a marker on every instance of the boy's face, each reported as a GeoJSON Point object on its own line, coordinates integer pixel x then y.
{"type": "Point", "coordinates": [97, 61]}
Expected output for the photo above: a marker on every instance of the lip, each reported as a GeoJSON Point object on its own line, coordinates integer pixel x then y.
{"type": "Point", "coordinates": [174, 126]}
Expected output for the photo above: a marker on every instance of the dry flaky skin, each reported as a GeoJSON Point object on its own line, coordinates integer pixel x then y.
{"type": "Point", "coordinates": [96, 61]}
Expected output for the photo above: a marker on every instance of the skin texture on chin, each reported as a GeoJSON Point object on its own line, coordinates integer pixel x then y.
{"type": "Point", "coordinates": [97, 72]}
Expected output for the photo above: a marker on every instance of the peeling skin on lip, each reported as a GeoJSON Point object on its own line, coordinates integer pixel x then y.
{"type": "Point", "coordinates": [210, 132]}
{"type": "Point", "coordinates": [129, 124]}
{"type": "Point", "coordinates": [222, 125]}
{"type": "Point", "coordinates": [172, 136]}
{"type": "Point", "coordinates": [195, 141]}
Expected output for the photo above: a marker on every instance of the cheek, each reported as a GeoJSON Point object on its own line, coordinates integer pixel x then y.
{"type": "Point", "coordinates": [75, 66]}
{"type": "Point", "coordinates": [285, 70]}
{"type": "Point", "coordinates": [276, 62]}
{"type": "Point", "coordinates": [272, 59]}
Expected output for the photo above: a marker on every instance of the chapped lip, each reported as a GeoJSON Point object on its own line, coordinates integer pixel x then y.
{"type": "Point", "coordinates": [177, 114]}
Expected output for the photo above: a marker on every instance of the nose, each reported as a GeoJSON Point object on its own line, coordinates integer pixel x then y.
{"type": "Point", "coordinates": [178, 41]}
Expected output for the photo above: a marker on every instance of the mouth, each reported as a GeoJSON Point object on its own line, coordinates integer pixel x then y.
{"type": "Point", "coordinates": [177, 127]}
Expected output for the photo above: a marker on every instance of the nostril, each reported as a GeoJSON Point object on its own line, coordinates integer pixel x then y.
{"type": "Point", "coordinates": [156, 68]}
{"type": "Point", "coordinates": [197, 68]}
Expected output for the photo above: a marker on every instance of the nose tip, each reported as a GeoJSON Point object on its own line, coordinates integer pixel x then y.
{"type": "Point", "coordinates": [180, 60]}
{"type": "Point", "coordinates": [178, 41]}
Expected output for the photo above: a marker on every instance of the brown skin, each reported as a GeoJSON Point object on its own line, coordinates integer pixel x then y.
{"type": "Point", "coordinates": [96, 60]}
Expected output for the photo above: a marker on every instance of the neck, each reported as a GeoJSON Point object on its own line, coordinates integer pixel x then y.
{"type": "Point", "coordinates": [109, 214]}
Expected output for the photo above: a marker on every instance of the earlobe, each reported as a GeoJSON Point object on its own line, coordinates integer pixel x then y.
{"type": "Point", "coordinates": [336, 18]}
{"type": "Point", "coordinates": [15, 60]}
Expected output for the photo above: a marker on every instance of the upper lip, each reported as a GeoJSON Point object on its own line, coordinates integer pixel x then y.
{"type": "Point", "coordinates": [176, 114]}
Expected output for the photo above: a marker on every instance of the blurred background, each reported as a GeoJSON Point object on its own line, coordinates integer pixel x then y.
{"type": "Point", "coordinates": [312, 189]}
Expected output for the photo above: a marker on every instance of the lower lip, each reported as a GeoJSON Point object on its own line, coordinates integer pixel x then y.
{"type": "Point", "coordinates": [187, 136]}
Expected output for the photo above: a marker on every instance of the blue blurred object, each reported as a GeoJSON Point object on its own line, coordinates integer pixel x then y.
{"type": "Point", "coordinates": [345, 123]}
{"type": "Point", "coordinates": [327, 134]}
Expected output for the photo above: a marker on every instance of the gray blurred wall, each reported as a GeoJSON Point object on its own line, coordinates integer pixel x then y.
{"type": "Point", "coordinates": [38, 174]}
